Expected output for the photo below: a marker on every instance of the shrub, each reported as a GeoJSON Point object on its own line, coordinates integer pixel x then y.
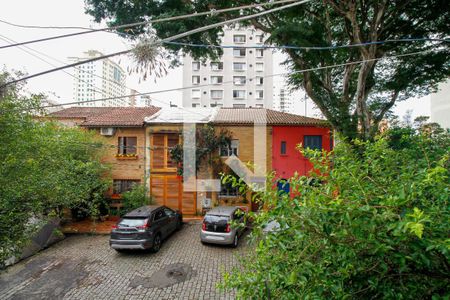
{"type": "Point", "coordinates": [376, 227]}
{"type": "Point", "coordinates": [138, 196]}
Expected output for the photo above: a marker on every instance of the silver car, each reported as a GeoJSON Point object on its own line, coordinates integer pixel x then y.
{"type": "Point", "coordinates": [216, 227]}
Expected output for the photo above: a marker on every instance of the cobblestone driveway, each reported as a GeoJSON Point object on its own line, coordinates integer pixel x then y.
{"type": "Point", "coordinates": [84, 267]}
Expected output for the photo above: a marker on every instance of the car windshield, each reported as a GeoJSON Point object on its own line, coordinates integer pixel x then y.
{"type": "Point", "coordinates": [132, 222]}
{"type": "Point", "coordinates": [216, 219]}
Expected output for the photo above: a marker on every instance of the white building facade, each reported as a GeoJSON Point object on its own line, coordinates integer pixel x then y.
{"type": "Point", "coordinates": [97, 80]}
{"type": "Point", "coordinates": [440, 105]}
{"type": "Point", "coordinates": [237, 79]}
{"type": "Point", "coordinates": [283, 100]}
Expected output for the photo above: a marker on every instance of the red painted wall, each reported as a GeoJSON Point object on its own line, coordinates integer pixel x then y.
{"type": "Point", "coordinates": [286, 165]}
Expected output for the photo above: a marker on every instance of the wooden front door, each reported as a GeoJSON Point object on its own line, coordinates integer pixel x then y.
{"type": "Point", "coordinates": [168, 190]}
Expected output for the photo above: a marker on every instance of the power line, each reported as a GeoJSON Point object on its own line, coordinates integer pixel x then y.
{"type": "Point", "coordinates": [175, 37]}
{"type": "Point", "coordinates": [264, 76]}
{"type": "Point", "coordinates": [211, 12]}
{"type": "Point", "coordinates": [43, 27]}
{"type": "Point", "coordinates": [308, 47]}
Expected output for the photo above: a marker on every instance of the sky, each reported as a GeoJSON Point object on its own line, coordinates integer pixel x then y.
{"type": "Point", "coordinates": [58, 85]}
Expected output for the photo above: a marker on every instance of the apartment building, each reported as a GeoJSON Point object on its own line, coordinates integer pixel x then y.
{"type": "Point", "coordinates": [97, 80]}
{"type": "Point", "coordinates": [440, 105]}
{"type": "Point", "coordinates": [283, 100]}
{"type": "Point", "coordinates": [238, 79]}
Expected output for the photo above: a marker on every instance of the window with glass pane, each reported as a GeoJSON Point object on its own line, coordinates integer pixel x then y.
{"type": "Point", "coordinates": [259, 67]}
{"type": "Point", "coordinates": [195, 105]}
{"type": "Point", "coordinates": [260, 39]}
{"type": "Point", "coordinates": [230, 149]}
{"type": "Point", "coordinates": [121, 186]}
{"type": "Point", "coordinates": [172, 141]}
{"type": "Point", "coordinates": [239, 80]}
{"type": "Point", "coordinates": [239, 52]}
{"type": "Point", "coordinates": [238, 66]}
{"type": "Point", "coordinates": [312, 142]}
{"type": "Point", "coordinates": [239, 38]}
{"type": "Point", "coordinates": [238, 94]}
{"type": "Point", "coordinates": [195, 79]}
{"type": "Point", "coordinates": [259, 80]}
{"type": "Point", "coordinates": [196, 94]}
{"type": "Point", "coordinates": [227, 190]}
{"type": "Point", "coordinates": [216, 105]}
{"type": "Point", "coordinates": [283, 148]}
{"type": "Point", "coordinates": [217, 66]}
{"type": "Point", "coordinates": [127, 145]}
{"type": "Point", "coordinates": [260, 94]}
{"type": "Point", "coordinates": [216, 79]}
{"type": "Point", "coordinates": [259, 105]}
{"type": "Point", "coordinates": [216, 94]}
{"type": "Point", "coordinates": [259, 52]}
{"type": "Point", "coordinates": [238, 105]}
{"type": "Point", "coordinates": [195, 66]}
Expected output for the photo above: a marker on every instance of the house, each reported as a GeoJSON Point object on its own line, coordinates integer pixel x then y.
{"type": "Point", "coordinates": [127, 146]}
{"type": "Point", "coordinates": [141, 139]}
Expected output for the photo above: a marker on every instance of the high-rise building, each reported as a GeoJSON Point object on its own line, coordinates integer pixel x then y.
{"type": "Point", "coordinates": [97, 80]}
{"type": "Point", "coordinates": [283, 101]}
{"type": "Point", "coordinates": [440, 105]}
{"type": "Point", "coordinates": [237, 79]}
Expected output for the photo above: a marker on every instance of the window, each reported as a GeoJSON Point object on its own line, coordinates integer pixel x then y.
{"type": "Point", "coordinates": [238, 94]}
{"type": "Point", "coordinates": [121, 186]}
{"type": "Point", "coordinates": [259, 52]}
{"type": "Point", "coordinates": [239, 38]}
{"type": "Point", "coordinates": [216, 105]}
{"type": "Point", "coordinates": [312, 142]}
{"type": "Point", "coordinates": [239, 52]}
{"type": "Point", "coordinates": [127, 145]}
{"type": "Point", "coordinates": [239, 105]}
{"type": "Point", "coordinates": [161, 144]}
{"type": "Point", "coordinates": [259, 80]}
{"type": "Point", "coordinates": [259, 105]}
{"type": "Point", "coordinates": [159, 215]}
{"type": "Point", "coordinates": [216, 79]}
{"type": "Point", "coordinates": [260, 39]}
{"type": "Point", "coordinates": [259, 67]}
{"type": "Point", "coordinates": [283, 148]}
{"type": "Point", "coordinates": [238, 66]}
{"type": "Point", "coordinates": [195, 66]}
{"type": "Point", "coordinates": [227, 190]}
{"type": "Point", "coordinates": [196, 94]}
{"type": "Point", "coordinates": [216, 94]}
{"type": "Point", "coordinates": [217, 66]}
{"type": "Point", "coordinates": [231, 149]}
{"type": "Point", "coordinates": [239, 80]}
{"type": "Point", "coordinates": [260, 94]}
{"type": "Point", "coordinates": [195, 79]}
{"type": "Point", "coordinates": [195, 105]}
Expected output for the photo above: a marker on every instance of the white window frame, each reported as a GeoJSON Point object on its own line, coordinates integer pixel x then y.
{"type": "Point", "coordinates": [258, 80]}
{"type": "Point", "coordinates": [218, 76]}
{"type": "Point", "coordinates": [258, 51]}
{"type": "Point", "coordinates": [259, 105]}
{"type": "Point", "coordinates": [239, 105]}
{"type": "Point", "coordinates": [239, 83]}
{"type": "Point", "coordinates": [194, 105]}
{"type": "Point", "coordinates": [240, 70]}
{"type": "Point", "coordinates": [240, 52]}
{"type": "Point", "coordinates": [239, 35]}
{"type": "Point", "coordinates": [257, 96]}
{"type": "Point", "coordinates": [196, 63]}
{"type": "Point", "coordinates": [259, 38]}
{"type": "Point", "coordinates": [219, 63]}
{"type": "Point", "coordinates": [195, 76]}
{"type": "Point", "coordinates": [193, 91]}
{"type": "Point", "coordinates": [239, 98]}
{"type": "Point", "coordinates": [259, 64]}
{"type": "Point", "coordinates": [211, 94]}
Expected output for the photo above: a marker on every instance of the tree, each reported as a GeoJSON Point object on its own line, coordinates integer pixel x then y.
{"type": "Point", "coordinates": [355, 97]}
{"type": "Point", "coordinates": [44, 168]}
{"type": "Point", "coordinates": [373, 226]}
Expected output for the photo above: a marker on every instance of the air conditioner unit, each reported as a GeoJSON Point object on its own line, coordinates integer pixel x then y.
{"type": "Point", "coordinates": [108, 131]}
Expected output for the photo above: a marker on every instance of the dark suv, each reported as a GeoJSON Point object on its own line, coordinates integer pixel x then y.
{"type": "Point", "coordinates": [145, 228]}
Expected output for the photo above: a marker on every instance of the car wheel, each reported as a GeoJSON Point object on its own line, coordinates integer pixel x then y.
{"type": "Point", "coordinates": [156, 243]}
{"type": "Point", "coordinates": [120, 250]}
{"type": "Point", "coordinates": [235, 241]}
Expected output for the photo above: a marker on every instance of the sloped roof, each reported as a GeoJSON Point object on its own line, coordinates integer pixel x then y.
{"type": "Point", "coordinates": [108, 116]}
{"type": "Point", "coordinates": [183, 115]}
{"type": "Point", "coordinates": [249, 116]}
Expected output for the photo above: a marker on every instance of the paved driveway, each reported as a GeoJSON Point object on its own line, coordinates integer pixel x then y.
{"type": "Point", "coordinates": [84, 267]}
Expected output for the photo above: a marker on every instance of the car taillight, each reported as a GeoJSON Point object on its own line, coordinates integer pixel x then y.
{"type": "Point", "coordinates": [228, 229]}
{"type": "Point", "coordinates": [114, 227]}
{"type": "Point", "coordinates": [203, 226]}
{"type": "Point", "coordinates": [143, 226]}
